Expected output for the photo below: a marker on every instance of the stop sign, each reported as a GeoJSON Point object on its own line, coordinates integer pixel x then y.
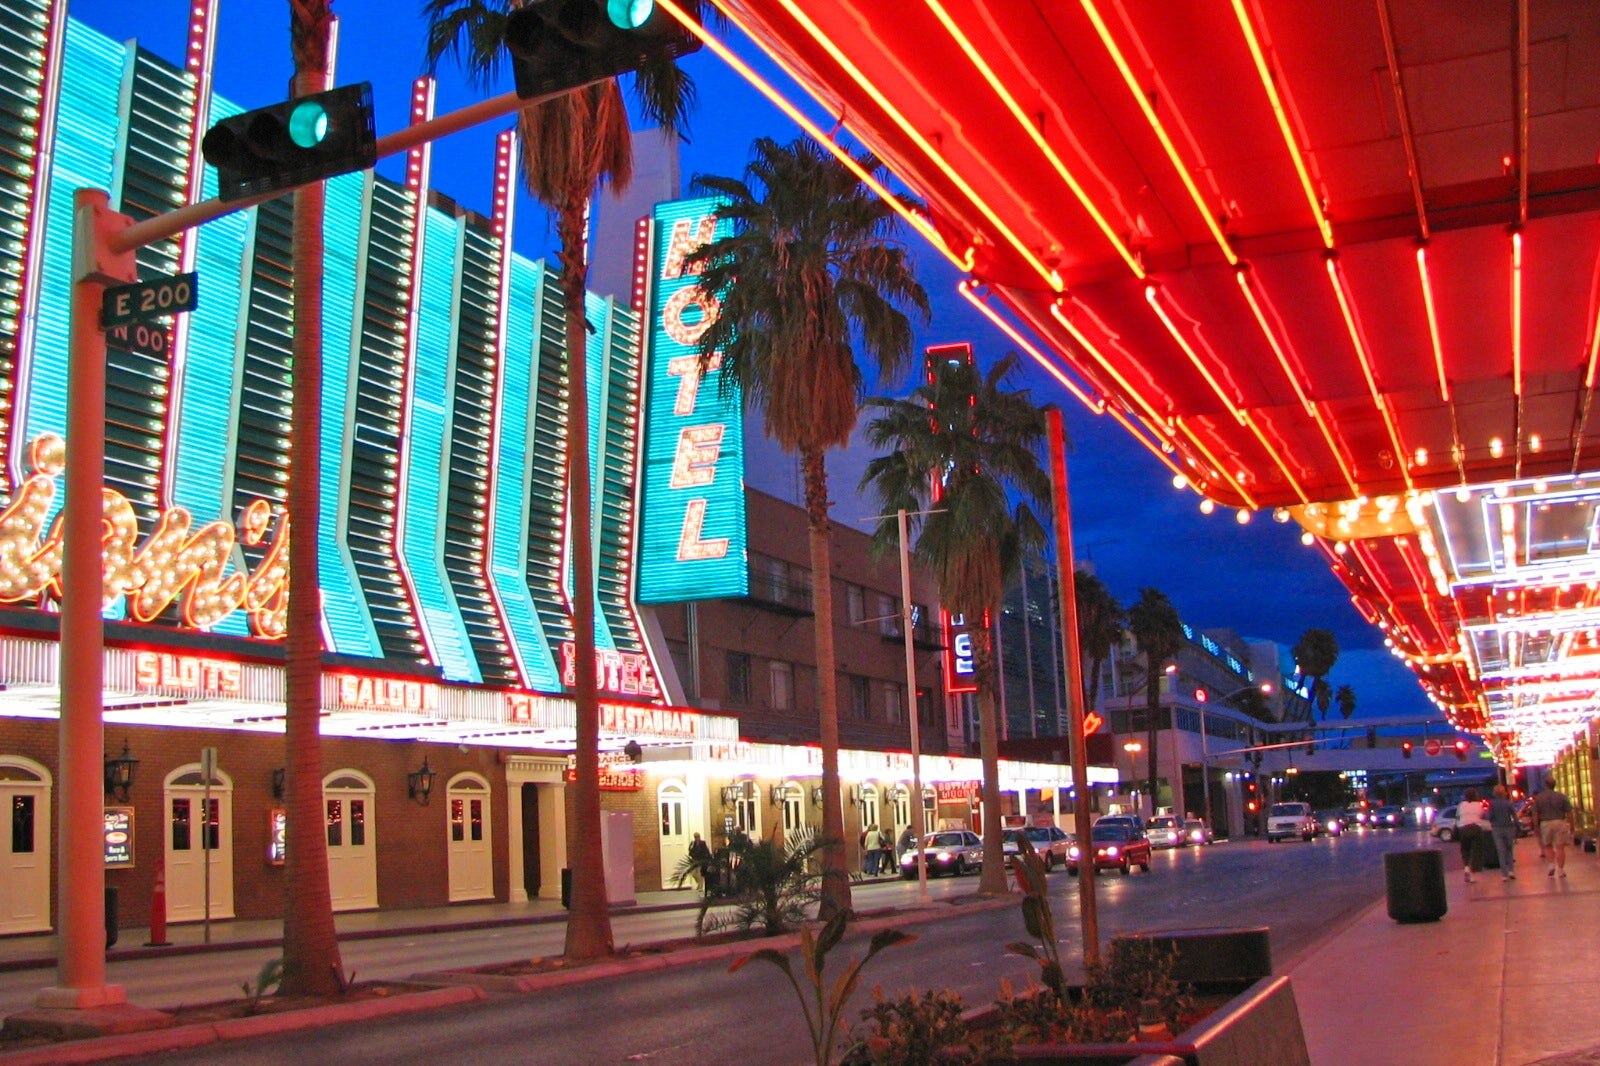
{"type": "Point", "coordinates": [1433, 746]}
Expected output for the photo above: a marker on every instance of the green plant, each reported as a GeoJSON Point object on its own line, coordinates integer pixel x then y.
{"type": "Point", "coordinates": [1038, 919]}
{"type": "Point", "coordinates": [267, 980]}
{"type": "Point", "coordinates": [918, 1027]}
{"type": "Point", "coordinates": [767, 885]}
{"type": "Point", "coordinates": [824, 1005]}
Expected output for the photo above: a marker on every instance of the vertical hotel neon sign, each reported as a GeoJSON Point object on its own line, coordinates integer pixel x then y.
{"type": "Point", "coordinates": [960, 667]}
{"type": "Point", "coordinates": [691, 514]}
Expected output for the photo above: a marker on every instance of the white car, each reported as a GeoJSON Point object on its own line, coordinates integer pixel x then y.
{"type": "Point", "coordinates": [1445, 823]}
{"type": "Point", "coordinates": [1165, 832]}
{"type": "Point", "coordinates": [1293, 819]}
{"type": "Point", "coordinates": [1050, 842]}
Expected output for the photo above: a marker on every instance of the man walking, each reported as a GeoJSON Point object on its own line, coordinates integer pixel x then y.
{"type": "Point", "coordinates": [1503, 827]}
{"type": "Point", "coordinates": [1552, 817]}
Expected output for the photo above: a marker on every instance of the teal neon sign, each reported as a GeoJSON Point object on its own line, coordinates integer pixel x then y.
{"type": "Point", "coordinates": [692, 542]}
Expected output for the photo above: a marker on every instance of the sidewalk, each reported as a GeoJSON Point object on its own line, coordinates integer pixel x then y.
{"type": "Point", "coordinates": [1506, 978]}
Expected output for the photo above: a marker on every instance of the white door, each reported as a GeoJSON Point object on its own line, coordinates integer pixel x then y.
{"type": "Point", "coordinates": [470, 857]}
{"type": "Point", "coordinates": [794, 809]}
{"type": "Point", "coordinates": [25, 850]}
{"type": "Point", "coordinates": [198, 837]}
{"type": "Point", "coordinates": [674, 831]}
{"type": "Point", "coordinates": [348, 799]}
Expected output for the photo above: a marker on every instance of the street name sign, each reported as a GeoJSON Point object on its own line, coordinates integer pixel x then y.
{"type": "Point", "coordinates": [152, 340]}
{"type": "Point", "coordinates": [124, 305]}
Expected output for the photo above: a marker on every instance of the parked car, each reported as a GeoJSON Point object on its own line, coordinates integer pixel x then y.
{"type": "Point", "coordinates": [1049, 841]}
{"type": "Point", "coordinates": [1292, 819]}
{"type": "Point", "coordinates": [1197, 832]}
{"type": "Point", "coordinates": [1117, 846]}
{"type": "Point", "coordinates": [1135, 820]}
{"type": "Point", "coordinates": [950, 851]}
{"type": "Point", "coordinates": [1386, 818]}
{"type": "Point", "coordinates": [1330, 821]}
{"type": "Point", "coordinates": [1165, 832]}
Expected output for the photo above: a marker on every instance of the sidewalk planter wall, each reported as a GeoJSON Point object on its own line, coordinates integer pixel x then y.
{"type": "Point", "coordinates": [1214, 959]}
{"type": "Point", "coordinates": [1258, 1027]}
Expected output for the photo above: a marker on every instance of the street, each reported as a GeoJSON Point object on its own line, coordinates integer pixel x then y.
{"type": "Point", "coordinates": [703, 1014]}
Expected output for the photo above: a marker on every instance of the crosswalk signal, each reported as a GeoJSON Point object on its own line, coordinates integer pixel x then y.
{"type": "Point", "coordinates": [1405, 748]}
{"type": "Point", "coordinates": [557, 45]}
{"type": "Point", "coordinates": [293, 143]}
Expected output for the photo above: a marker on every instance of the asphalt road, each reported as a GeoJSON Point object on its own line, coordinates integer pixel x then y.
{"type": "Point", "coordinates": [705, 1015]}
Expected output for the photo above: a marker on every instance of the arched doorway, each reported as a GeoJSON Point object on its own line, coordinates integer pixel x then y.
{"type": "Point", "coordinates": [471, 860]}
{"type": "Point", "coordinates": [25, 851]}
{"type": "Point", "coordinates": [793, 797]}
{"type": "Point", "coordinates": [671, 797]}
{"type": "Point", "coordinates": [350, 800]}
{"type": "Point", "coordinates": [199, 836]}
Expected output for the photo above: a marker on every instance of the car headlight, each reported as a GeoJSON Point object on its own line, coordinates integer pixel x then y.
{"type": "Point", "coordinates": [943, 856]}
{"type": "Point", "coordinates": [1333, 827]}
{"type": "Point", "coordinates": [1111, 852]}
{"type": "Point", "coordinates": [1073, 851]}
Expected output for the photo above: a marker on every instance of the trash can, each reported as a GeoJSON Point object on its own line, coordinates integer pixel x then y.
{"type": "Point", "coordinates": [566, 887]}
{"type": "Point", "coordinates": [111, 915]}
{"type": "Point", "coordinates": [1414, 881]}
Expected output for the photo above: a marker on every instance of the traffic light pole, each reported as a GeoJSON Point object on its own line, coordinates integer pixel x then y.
{"type": "Point", "coordinates": [1078, 742]}
{"type": "Point", "coordinates": [103, 244]}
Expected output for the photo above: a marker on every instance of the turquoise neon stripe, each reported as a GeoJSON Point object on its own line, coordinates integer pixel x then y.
{"type": "Point", "coordinates": [208, 402]}
{"type": "Point", "coordinates": [430, 402]}
{"type": "Point", "coordinates": [598, 311]}
{"type": "Point", "coordinates": [87, 124]}
{"type": "Point", "coordinates": [508, 548]}
{"type": "Point", "coordinates": [343, 606]}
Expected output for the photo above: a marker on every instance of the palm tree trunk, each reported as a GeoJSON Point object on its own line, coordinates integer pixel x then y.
{"type": "Point", "coordinates": [1152, 689]}
{"type": "Point", "coordinates": [311, 962]}
{"type": "Point", "coordinates": [994, 861]}
{"type": "Point", "coordinates": [589, 920]}
{"type": "Point", "coordinates": [1093, 695]}
{"type": "Point", "coordinates": [835, 866]}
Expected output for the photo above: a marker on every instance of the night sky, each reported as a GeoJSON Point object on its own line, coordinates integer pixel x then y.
{"type": "Point", "coordinates": [1128, 521]}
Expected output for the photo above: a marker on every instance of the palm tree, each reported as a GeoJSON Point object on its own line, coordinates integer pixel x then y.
{"type": "Point", "coordinates": [1100, 623]}
{"type": "Point", "coordinates": [963, 445]}
{"type": "Point", "coordinates": [570, 144]}
{"type": "Point", "coordinates": [1314, 655]}
{"type": "Point", "coordinates": [311, 962]}
{"type": "Point", "coordinates": [809, 273]}
{"type": "Point", "coordinates": [1345, 699]}
{"type": "Point", "coordinates": [1158, 630]}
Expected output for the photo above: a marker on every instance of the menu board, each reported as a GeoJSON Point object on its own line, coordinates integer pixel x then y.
{"type": "Point", "coordinates": [119, 836]}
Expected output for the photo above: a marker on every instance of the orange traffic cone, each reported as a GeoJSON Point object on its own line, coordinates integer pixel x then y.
{"type": "Point", "coordinates": [158, 908]}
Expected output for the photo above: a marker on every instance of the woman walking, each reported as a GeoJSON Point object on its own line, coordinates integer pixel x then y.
{"type": "Point", "coordinates": [1472, 831]}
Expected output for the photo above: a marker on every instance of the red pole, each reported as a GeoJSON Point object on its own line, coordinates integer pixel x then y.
{"type": "Point", "coordinates": [1066, 572]}
{"type": "Point", "coordinates": [158, 907]}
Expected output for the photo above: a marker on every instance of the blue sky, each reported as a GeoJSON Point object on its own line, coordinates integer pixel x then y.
{"type": "Point", "coordinates": [1127, 519]}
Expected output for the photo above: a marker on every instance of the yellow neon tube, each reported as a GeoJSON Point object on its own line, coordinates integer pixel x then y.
{"type": "Point", "coordinates": [917, 222]}
{"type": "Point", "coordinates": [1142, 98]}
{"type": "Point", "coordinates": [1244, 494]}
{"type": "Point", "coordinates": [1336, 279]}
{"type": "Point", "coordinates": [1032, 130]}
{"type": "Point", "coordinates": [1433, 322]}
{"type": "Point", "coordinates": [965, 288]}
{"type": "Point", "coordinates": [910, 130]}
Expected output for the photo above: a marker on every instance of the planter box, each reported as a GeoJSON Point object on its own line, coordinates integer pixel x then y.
{"type": "Point", "coordinates": [1258, 1027]}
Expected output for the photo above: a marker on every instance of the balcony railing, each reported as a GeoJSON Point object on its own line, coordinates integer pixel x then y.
{"type": "Point", "coordinates": [780, 594]}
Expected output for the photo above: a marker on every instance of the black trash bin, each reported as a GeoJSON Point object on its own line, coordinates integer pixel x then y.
{"type": "Point", "coordinates": [1415, 884]}
{"type": "Point", "coordinates": [111, 915]}
{"type": "Point", "coordinates": [566, 887]}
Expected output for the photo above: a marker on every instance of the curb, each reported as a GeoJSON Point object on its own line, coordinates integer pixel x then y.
{"type": "Point", "coordinates": [506, 984]}
{"type": "Point", "coordinates": [159, 1041]}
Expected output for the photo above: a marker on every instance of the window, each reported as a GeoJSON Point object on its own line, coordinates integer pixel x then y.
{"type": "Point", "coordinates": [747, 816]}
{"type": "Point", "coordinates": [891, 703]}
{"type": "Point", "coordinates": [738, 678]}
{"type": "Point", "coordinates": [335, 823]}
{"type": "Point", "coordinates": [358, 823]}
{"type": "Point", "coordinates": [22, 825]}
{"type": "Point", "coordinates": [925, 711]}
{"type": "Point", "coordinates": [860, 698]}
{"type": "Point", "coordinates": [855, 604]}
{"type": "Point", "coordinates": [180, 825]}
{"type": "Point", "coordinates": [458, 820]}
{"type": "Point", "coordinates": [476, 806]}
{"type": "Point", "coordinates": [782, 678]}
{"type": "Point", "coordinates": [886, 609]}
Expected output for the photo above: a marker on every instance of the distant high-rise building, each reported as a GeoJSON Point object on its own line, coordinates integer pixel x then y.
{"type": "Point", "coordinates": [655, 179]}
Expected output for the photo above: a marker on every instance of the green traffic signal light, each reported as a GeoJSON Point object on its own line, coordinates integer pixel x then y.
{"type": "Point", "coordinates": [629, 14]}
{"type": "Point", "coordinates": [308, 123]}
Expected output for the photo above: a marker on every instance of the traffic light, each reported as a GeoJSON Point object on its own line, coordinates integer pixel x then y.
{"type": "Point", "coordinates": [557, 45]}
{"type": "Point", "coordinates": [293, 143]}
{"type": "Point", "coordinates": [1461, 750]}
{"type": "Point", "coordinates": [1405, 748]}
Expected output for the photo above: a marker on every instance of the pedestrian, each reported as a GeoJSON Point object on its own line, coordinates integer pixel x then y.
{"type": "Point", "coordinates": [1552, 820]}
{"type": "Point", "coordinates": [886, 857]}
{"type": "Point", "coordinates": [1470, 832]}
{"type": "Point", "coordinates": [869, 850]}
{"type": "Point", "coordinates": [700, 855]}
{"type": "Point", "coordinates": [908, 840]}
{"type": "Point", "coordinates": [1503, 828]}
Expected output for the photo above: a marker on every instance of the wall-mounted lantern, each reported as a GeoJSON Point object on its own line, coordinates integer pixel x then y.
{"type": "Point", "coordinates": [419, 783]}
{"type": "Point", "coordinates": [119, 774]}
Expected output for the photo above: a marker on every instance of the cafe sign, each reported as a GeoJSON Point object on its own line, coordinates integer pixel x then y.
{"type": "Point", "coordinates": [118, 838]}
{"type": "Point", "coordinates": [617, 772]}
